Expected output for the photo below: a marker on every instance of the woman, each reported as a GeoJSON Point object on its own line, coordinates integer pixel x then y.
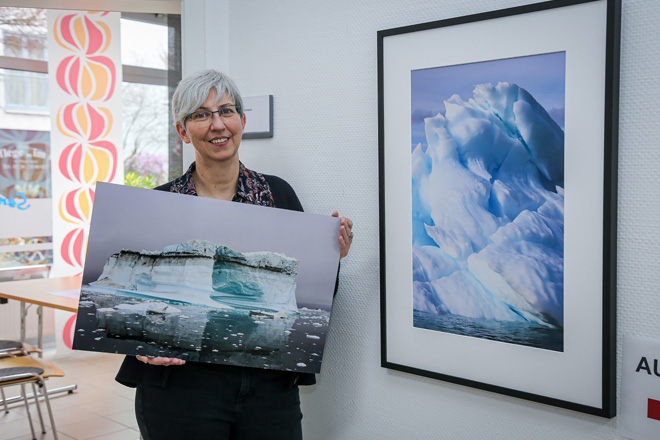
{"type": "Point", "coordinates": [179, 400]}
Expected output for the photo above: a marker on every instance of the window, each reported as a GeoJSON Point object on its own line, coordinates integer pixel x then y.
{"type": "Point", "coordinates": [32, 45]}
{"type": "Point", "coordinates": [151, 150]}
{"type": "Point", "coordinates": [25, 92]}
{"type": "Point", "coordinates": [23, 36]}
{"type": "Point", "coordinates": [152, 48]}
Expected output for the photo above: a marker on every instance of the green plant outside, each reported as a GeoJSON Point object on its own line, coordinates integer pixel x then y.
{"type": "Point", "coordinates": [132, 178]}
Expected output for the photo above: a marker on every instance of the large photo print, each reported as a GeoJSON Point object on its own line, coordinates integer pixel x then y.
{"type": "Point", "coordinates": [488, 199]}
{"type": "Point", "coordinates": [207, 280]}
{"type": "Point", "coordinates": [497, 183]}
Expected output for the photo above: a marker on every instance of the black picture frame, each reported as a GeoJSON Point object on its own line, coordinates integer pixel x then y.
{"type": "Point", "coordinates": [580, 375]}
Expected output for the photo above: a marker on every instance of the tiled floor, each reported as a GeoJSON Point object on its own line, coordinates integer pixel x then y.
{"type": "Point", "coordinates": [99, 409]}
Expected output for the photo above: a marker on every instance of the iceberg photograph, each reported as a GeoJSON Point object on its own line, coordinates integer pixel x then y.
{"type": "Point", "coordinates": [487, 158]}
{"type": "Point", "coordinates": [202, 300]}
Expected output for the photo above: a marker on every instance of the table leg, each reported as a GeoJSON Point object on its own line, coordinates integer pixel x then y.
{"type": "Point", "coordinates": [23, 316]}
{"type": "Point", "coordinates": [40, 334]}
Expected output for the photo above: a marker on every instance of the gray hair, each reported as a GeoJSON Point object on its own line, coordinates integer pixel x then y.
{"type": "Point", "coordinates": [194, 89]}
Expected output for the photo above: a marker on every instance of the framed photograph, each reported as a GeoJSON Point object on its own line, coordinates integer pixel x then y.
{"type": "Point", "coordinates": [498, 167]}
{"type": "Point", "coordinates": [207, 280]}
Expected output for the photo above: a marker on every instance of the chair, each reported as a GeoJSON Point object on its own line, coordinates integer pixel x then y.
{"type": "Point", "coordinates": [10, 348]}
{"type": "Point", "coordinates": [16, 348]}
{"type": "Point", "coordinates": [21, 370]}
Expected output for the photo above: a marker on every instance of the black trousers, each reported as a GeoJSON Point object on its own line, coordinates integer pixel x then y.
{"type": "Point", "coordinates": [203, 401]}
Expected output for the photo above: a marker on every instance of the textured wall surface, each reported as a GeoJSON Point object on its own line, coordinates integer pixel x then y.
{"type": "Point", "coordinates": [319, 60]}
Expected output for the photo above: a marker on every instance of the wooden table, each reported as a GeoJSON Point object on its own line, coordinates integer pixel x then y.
{"type": "Point", "coordinates": [35, 292]}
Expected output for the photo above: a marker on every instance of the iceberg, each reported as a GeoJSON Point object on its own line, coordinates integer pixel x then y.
{"type": "Point", "coordinates": [488, 210]}
{"type": "Point", "coordinates": [202, 302]}
{"type": "Point", "coordinates": [204, 273]}
{"type": "Point", "coordinates": [261, 279]}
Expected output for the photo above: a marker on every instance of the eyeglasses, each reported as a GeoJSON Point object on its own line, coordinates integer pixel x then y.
{"type": "Point", "coordinates": [226, 112]}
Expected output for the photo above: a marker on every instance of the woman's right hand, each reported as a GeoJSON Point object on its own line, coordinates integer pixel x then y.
{"type": "Point", "coordinates": [163, 361]}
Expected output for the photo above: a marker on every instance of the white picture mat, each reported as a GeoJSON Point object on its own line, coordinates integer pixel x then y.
{"type": "Point", "coordinates": [575, 374]}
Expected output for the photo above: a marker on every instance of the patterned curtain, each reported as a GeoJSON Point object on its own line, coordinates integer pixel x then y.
{"type": "Point", "coordinates": [85, 97]}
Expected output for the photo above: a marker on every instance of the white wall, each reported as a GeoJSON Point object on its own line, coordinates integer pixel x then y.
{"type": "Point", "coordinates": [319, 60]}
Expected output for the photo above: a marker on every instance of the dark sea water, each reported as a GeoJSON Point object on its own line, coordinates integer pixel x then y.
{"type": "Point", "coordinates": [203, 334]}
{"type": "Point", "coordinates": [521, 333]}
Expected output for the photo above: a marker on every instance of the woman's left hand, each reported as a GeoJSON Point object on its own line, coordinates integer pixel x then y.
{"type": "Point", "coordinates": [345, 234]}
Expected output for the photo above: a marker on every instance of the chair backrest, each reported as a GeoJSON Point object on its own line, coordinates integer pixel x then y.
{"type": "Point", "coordinates": [10, 345]}
{"type": "Point", "coordinates": [13, 375]}
{"type": "Point", "coordinates": [16, 348]}
{"type": "Point", "coordinates": [49, 369]}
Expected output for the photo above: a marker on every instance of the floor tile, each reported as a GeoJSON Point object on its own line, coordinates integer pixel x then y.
{"type": "Point", "coordinates": [100, 409]}
{"type": "Point", "coordinates": [46, 436]}
{"type": "Point", "coordinates": [17, 428]}
{"type": "Point", "coordinates": [67, 416]}
{"type": "Point", "coordinates": [126, 434]}
{"type": "Point", "coordinates": [90, 428]}
{"type": "Point", "coordinates": [13, 414]}
{"type": "Point", "coordinates": [126, 418]}
{"type": "Point", "coordinates": [110, 405]}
